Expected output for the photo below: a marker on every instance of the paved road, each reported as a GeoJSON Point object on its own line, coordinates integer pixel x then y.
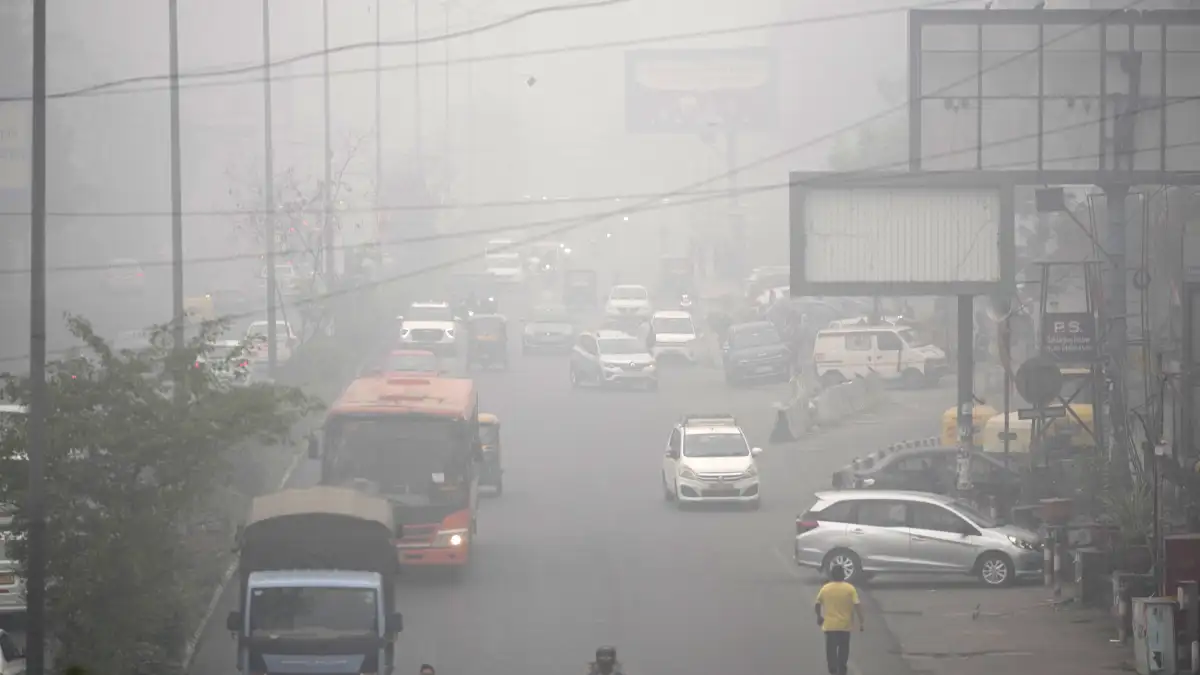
{"type": "Point", "coordinates": [582, 550]}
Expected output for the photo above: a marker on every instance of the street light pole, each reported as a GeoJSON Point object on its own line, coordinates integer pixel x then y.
{"type": "Point", "coordinates": [176, 185]}
{"type": "Point", "coordinates": [327, 192]}
{"type": "Point", "coordinates": [417, 150]}
{"type": "Point", "coordinates": [378, 103]}
{"type": "Point", "coordinates": [446, 81]}
{"type": "Point", "coordinates": [35, 589]}
{"type": "Point", "coordinates": [269, 189]}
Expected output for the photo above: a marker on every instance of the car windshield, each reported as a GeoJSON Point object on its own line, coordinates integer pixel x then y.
{"type": "Point", "coordinates": [912, 338]}
{"type": "Point", "coordinates": [318, 610]}
{"type": "Point", "coordinates": [715, 445]}
{"type": "Point", "coordinates": [623, 345]}
{"type": "Point", "coordinates": [974, 514]}
{"type": "Point", "coordinates": [672, 326]}
{"type": "Point", "coordinates": [759, 336]}
{"type": "Point", "coordinates": [629, 293]}
{"type": "Point", "coordinates": [429, 314]}
{"type": "Point", "coordinates": [551, 315]}
{"type": "Point", "coordinates": [221, 353]}
{"type": "Point", "coordinates": [412, 363]}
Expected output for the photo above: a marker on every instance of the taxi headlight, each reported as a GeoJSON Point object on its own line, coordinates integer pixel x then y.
{"type": "Point", "coordinates": [650, 368]}
{"type": "Point", "coordinates": [751, 471]}
{"type": "Point", "coordinates": [685, 472]}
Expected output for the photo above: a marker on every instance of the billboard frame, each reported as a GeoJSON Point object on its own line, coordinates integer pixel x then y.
{"type": "Point", "coordinates": [803, 182]}
{"type": "Point", "coordinates": [1106, 172]}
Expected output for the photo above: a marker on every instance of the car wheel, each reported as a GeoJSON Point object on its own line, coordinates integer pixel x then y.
{"type": "Point", "coordinates": [499, 486]}
{"type": "Point", "coordinates": [574, 378]}
{"type": "Point", "coordinates": [995, 570]}
{"type": "Point", "coordinates": [912, 379]}
{"type": "Point", "coordinates": [668, 495]}
{"type": "Point", "coordinates": [755, 505]}
{"type": "Point", "coordinates": [848, 560]}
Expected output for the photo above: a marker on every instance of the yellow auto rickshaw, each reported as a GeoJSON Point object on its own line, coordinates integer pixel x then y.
{"type": "Point", "coordinates": [199, 308]}
{"type": "Point", "coordinates": [979, 417]}
{"type": "Point", "coordinates": [1076, 436]}
{"type": "Point", "coordinates": [492, 473]}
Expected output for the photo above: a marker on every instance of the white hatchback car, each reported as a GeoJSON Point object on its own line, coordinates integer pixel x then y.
{"type": "Point", "coordinates": [628, 301]}
{"type": "Point", "coordinates": [708, 459]}
{"type": "Point", "coordinates": [674, 337]}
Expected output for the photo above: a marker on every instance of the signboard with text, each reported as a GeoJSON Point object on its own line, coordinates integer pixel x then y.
{"type": "Point", "coordinates": [1070, 336]}
{"type": "Point", "coordinates": [686, 91]}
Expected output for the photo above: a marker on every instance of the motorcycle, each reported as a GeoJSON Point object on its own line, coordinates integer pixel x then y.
{"type": "Point", "coordinates": [685, 302]}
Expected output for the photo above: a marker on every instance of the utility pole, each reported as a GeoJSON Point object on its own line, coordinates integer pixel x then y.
{"type": "Point", "coordinates": [176, 187]}
{"type": "Point", "coordinates": [378, 105]}
{"type": "Point", "coordinates": [327, 191]}
{"type": "Point", "coordinates": [446, 81]}
{"type": "Point", "coordinates": [269, 189]}
{"type": "Point", "coordinates": [417, 150]}
{"type": "Point", "coordinates": [35, 589]}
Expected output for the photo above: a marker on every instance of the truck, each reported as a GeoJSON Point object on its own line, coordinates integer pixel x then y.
{"type": "Point", "coordinates": [415, 441]}
{"type": "Point", "coordinates": [316, 572]}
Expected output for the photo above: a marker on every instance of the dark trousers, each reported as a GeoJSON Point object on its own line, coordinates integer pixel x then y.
{"type": "Point", "coordinates": [837, 651]}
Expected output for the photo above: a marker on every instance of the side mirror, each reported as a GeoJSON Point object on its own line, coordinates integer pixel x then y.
{"type": "Point", "coordinates": [314, 447]}
{"type": "Point", "coordinates": [672, 453]}
{"type": "Point", "coordinates": [395, 623]}
{"type": "Point", "coordinates": [233, 622]}
{"type": "Point", "coordinates": [756, 451]}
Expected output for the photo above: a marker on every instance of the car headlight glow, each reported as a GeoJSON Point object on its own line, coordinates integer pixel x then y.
{"type": "Point", "coordinates": [685, 472]}
{"type": "Point", "coordinates": [650, 368]}
{"type": "Point", "coordinates": [752, 470]}
{"type": "Point", "coordinates": [1022, 543]}
{"type": "Point", "coordinates": [450, 538]}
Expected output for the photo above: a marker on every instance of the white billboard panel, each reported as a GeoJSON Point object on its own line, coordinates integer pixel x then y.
{"type": "Point", "coordinates": [889, 240]}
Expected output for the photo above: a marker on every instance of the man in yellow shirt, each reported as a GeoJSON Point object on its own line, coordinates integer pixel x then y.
{"type": "Point", "coordinates": [837, 607]}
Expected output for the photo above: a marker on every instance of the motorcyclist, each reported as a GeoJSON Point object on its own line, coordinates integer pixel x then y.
{"type": "Point", "coordinates": [606, 663]}
{"type": "Point", "coordinates": [470, 304]}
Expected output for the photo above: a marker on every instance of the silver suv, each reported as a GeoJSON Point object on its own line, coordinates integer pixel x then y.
{"type": "Point", "coordinates": [612, 358]}
{"type": "Point", "coordinates": [894, 532]}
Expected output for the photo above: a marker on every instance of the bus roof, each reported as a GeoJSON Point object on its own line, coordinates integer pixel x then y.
{"type": "Point", "coordinates": [416, 395]}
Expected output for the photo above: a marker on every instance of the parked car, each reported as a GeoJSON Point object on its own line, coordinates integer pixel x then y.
{"type": "Point", "coordinates": [867, 532]}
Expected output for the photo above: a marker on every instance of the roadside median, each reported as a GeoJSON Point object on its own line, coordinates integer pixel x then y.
{"type": "Point", "coordinates": [810, 408]}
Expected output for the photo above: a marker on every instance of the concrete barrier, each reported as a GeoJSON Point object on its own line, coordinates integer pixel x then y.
{"type": "Point", "coordinates": [809, 407]}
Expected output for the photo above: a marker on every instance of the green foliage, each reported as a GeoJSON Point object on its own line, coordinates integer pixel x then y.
{"type": "Point", "coordinates": [137, 440]}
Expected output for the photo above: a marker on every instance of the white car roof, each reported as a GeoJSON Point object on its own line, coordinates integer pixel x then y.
{"type": "Point", "coordinates": [430, 304]}
{"type": "Point", "coordinates": [612, 335]}
{"type": "Point", "coordinates": [713, 431]}
{"type": "Point", "coordinates": [227, 343]}
{"type": "Point", "coordinates": [637, 286]}
{"type": "Point", "coordinates": [13, 409]}
{"type": "Point", "coordinates": [672, 314]}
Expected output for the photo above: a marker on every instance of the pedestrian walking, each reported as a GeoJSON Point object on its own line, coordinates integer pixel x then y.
{"type": "Point", "coordinates": [837, 607]}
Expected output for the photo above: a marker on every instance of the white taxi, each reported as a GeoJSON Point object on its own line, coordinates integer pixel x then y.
{"type": "Point", "coordinates": [708, 459]}
{"type": "Point", "coordinates": [674, 336]}
{"type": "Point", "coordinates": [628, 301]}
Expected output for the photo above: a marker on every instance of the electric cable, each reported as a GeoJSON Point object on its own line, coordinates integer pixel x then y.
{"type": "Point", "coordinates": [115, 87]}
{"type": "Point", "coordinates": [599, 217]}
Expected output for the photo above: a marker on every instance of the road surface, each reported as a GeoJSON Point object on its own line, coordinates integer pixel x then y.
{"type": "Point", "coordinates": [582, 550]}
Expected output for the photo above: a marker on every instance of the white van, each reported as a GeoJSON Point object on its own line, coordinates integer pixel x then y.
{"type": "Point", "coordinates": [893, 352]}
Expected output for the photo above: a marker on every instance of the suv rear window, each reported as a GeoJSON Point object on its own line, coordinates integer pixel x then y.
{"type": "Point", "coordinates": [838, 512]}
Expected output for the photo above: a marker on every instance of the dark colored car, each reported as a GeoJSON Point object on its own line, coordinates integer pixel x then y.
{"type": "Point", "coordinates": [755, 351]}
{"type": "Point", "coordinates": [550, 329]}
{"type": "Point", "coordinates": [932, 470]}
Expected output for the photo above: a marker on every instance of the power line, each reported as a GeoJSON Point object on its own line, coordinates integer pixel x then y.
{"type": "Point", "coordinates": [114, 87]}
{"type": "Point", "coordinates": [644, 204]}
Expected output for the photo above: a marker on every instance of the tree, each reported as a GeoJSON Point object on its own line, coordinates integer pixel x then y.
{"type": "Point", "coordinates": [128, 464]}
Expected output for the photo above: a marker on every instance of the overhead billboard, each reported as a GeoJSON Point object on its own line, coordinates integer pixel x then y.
{"type": "Point", "coordinates": [688, 91]}
{"type": "Point", "coordinates": [899, 235]}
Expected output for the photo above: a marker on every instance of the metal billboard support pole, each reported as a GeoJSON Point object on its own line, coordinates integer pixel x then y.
{"type": "Point", "coordinates": [269, 190]}
{"type": "Point", "coordinates": [1116, 309]}
{"type": "Point", "coordinates": [378, 104]}
{"type": "Point", "coordinates": [35, 506]}
{"type": "Point", "coordinates": [417, 150]}
{"type": "Point", "coordinates": [176, 186]}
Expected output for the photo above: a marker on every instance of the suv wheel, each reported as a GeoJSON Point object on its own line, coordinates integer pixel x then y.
{"type": "Point", "coordinates": [574, 377]}
{"type": "Point", "coordinates": [995, 569]}
{"type": "Point", "coordinates": [668, 495]}
{"type": "Point", "coordinates": [848, 560]}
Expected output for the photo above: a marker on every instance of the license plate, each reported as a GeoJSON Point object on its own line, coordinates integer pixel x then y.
{"type": "Point", "coordinates": [7, 579]}
{"type": "Point", "coordinates": [763, 369]}
{"type": "Point", "coordinates": [723, 492]}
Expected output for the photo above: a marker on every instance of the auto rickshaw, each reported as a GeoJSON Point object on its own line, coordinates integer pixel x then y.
{"type": "Point", "coordinates": [579, 289]}
{"type": "Point", "coordinates": [491, 474]}
{"type": "Point", "coordinates": [487, 341]}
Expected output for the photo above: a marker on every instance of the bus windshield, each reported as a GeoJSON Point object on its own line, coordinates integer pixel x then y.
{"type": "Point", "coordinates": [426, 460]}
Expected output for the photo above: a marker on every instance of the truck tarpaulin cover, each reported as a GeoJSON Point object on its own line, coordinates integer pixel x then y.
{"type": "Point", "coordinates": [319, 528]}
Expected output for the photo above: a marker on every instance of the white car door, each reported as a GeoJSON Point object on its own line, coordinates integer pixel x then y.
{"type": "Point", "coordinates": [671, 460]}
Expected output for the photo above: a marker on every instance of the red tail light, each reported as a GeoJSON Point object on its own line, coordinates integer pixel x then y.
{"type": "Point", "coordinates": [803, 526]}
{"type": "Point", "coordinates": [244, 364]}
{"type": "Point", "coordinates": [197, 366]}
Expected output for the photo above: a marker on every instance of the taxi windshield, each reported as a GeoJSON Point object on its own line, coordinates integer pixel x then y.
{"type": "Point", "coordinates": [716, 445]}
{"type": "Point", "coordinates": [435, 313]}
